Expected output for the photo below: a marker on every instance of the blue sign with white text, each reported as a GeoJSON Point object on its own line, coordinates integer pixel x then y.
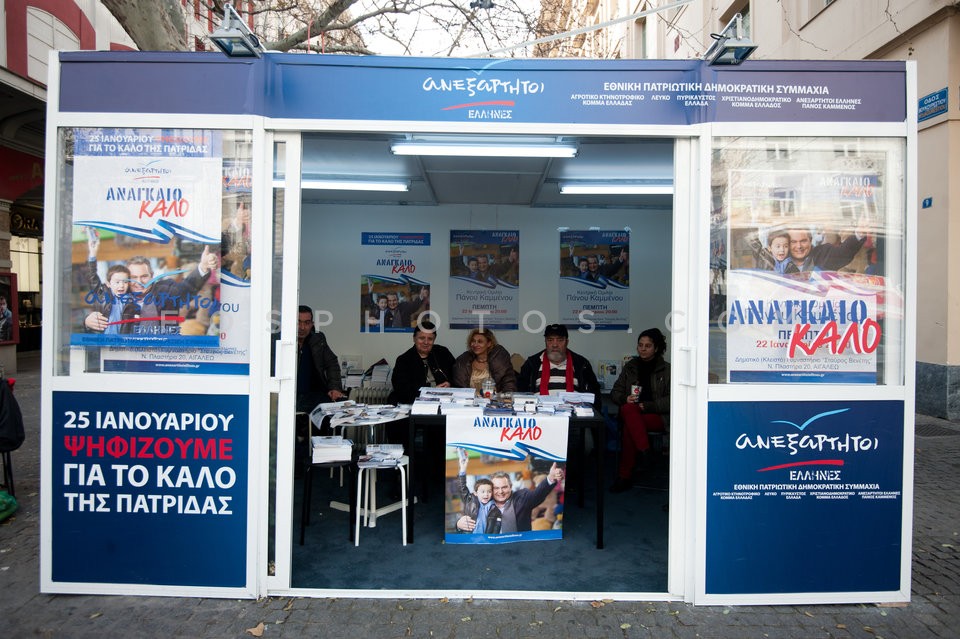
{"type": "Point", "coordinates": [932, 105]}
{"type": "Point", "coordinates": [149, 489]}
{"type": "Point", "coordinates": [485, 91]}
{"type": "Point", "coordinates": [804, 497]}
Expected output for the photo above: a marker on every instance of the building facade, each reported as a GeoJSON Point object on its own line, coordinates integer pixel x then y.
{"type": "Point", "coordinates": [926, 32]}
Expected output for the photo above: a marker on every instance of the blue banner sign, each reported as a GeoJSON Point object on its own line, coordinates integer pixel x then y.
{"type": "Point", "coordinates": [149, 489]}
{"type": "Point", "coordinates": [668, 92]}
{"type": "Point", "coordinates": [790, 488]}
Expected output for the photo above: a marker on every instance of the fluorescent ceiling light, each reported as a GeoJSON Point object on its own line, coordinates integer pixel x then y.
{"type": "Point", "coordinates": [615, 188]}
{"type": "Point", "coordinates": [355, 185]}
{"type": "Point", "coordinates": [479, 149]}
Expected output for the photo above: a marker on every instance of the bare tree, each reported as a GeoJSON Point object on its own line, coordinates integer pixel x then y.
{"type": "Point", "coordinates": [157, 25]}
{"type": "Point", "coordinates": [402, 27]}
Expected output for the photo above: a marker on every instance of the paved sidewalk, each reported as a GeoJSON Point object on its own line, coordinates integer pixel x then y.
{"type": "Point", "coordinates": [934, 611]}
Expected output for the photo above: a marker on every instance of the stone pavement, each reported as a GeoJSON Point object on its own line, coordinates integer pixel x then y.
{"type": "Point", "coordinates": [933, 612]}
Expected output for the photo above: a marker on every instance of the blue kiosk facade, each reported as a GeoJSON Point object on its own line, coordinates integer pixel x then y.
{"type": "Point", "coordinates": [788, 292]}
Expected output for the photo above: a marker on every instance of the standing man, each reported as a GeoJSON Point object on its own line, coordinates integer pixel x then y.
{"type": "Point", "coordinates": [556, 368]}
{"type": "Point", "coordinates": [426, 363]}
{"type": "Point", "coordinates": [318, 368]}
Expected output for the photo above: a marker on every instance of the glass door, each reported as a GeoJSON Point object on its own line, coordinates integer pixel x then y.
{"type": "Point", "coordinates": [279, 323]}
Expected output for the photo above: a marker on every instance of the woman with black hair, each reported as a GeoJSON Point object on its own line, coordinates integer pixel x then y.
{"type": "Point", "coordinates": [642, 391]}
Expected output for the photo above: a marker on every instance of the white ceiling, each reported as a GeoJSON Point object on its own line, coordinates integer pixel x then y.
{"type": "Point", "coordinates": [483, 180]}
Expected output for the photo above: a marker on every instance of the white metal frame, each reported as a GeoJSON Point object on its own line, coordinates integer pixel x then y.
{"type": "Point", "coordinates": [93, 382]}
{"type": "Point", "coordinates": [904, 392]}
{"type": "Point", "coordinates": [682, 349]}
{"type": "Point", "coordinates": [689, 349]}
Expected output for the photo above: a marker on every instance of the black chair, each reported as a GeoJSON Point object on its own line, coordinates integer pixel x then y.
{"type": "Point", "coordinates": [349, 466]}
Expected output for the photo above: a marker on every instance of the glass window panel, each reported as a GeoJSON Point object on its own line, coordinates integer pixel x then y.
{"type": "Point", "coordinates": [154, 250]}
{"type": "Point", "coordinates": [807, 260]}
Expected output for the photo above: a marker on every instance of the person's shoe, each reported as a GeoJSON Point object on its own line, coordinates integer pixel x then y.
{"type": "Point", "coordinates": [621, 485]}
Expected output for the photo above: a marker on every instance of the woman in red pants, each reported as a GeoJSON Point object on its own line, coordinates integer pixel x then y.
{"type": "Point", "coordinates": [643, 394]}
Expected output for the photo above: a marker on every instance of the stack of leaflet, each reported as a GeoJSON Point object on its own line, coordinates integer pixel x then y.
{"type": "Point", "coordinates": [353, 378]}
{"type": "Point", "coordinates": [422, 406]}
{"type": "Point", "coordinates": [381, 456]}
{"type": "Point", "coordinates": [581, 403]}
{"type": "Point", "coordinates": [379, 374]}
{"type": "Point", "coordinates": [525, 402]}
{"type": "Point", "coordinates": [332, 448]}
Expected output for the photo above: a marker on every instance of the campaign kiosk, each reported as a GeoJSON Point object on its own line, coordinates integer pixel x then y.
{"type": "Point", "coordinates": [189, 213]}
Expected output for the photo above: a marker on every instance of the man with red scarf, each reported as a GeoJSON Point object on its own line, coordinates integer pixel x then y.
{"type": "Point", "coordinates": [556, 368]}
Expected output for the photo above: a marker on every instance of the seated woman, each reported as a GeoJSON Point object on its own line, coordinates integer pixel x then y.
{"type": "Point", "coordinates": [484, 359]}
{"type": "Point", "coordinates": [643, 411]}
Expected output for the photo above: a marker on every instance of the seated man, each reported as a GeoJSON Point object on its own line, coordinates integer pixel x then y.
{"type": "Point", "coordinates": [642, 391]}
{"type": "Point", "coordinates": [556, 368]}
{"type": "Point", "coordinates": [423, 364]}
{"type": "Point", "coordinates": [318, 376]}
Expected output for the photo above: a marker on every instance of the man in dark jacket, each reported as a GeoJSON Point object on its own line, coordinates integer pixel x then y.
{"type": "Point", "coordinates": [318, 368]}
{"type": "Point", "coordinates": [556, 368]}
{"type": "Point", "coordinates": [423, 364]}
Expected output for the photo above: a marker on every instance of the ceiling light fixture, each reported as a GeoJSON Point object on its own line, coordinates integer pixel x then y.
{"type": "Point", "coordinates": [651, 187]}
{"type": "Point", "coordinates": [355, 185]}
{"type": "Point", "coordinates": [730, 46]}
{"type": "Point", "coordinates": [480, 149]}
{"type": "Point", "coordinates": [234, 37]}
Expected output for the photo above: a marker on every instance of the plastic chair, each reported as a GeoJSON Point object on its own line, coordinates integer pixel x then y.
{"type": "Point", "coordinates": [366, 501]}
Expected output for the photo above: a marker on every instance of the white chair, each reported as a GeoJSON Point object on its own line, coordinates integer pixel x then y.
{"type": "Point", "coordinates": [367, 497]}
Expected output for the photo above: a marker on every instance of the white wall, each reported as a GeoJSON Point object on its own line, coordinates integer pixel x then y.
{"type": "Point", "coordinates": [331, 265]}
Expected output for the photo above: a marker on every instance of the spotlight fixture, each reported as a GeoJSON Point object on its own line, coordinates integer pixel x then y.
{"type": "Point", "coordinates": [234, 37]}
{"type": "Point", "coordinates": [730, 46]}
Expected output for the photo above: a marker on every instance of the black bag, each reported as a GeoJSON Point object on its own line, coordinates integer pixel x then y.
{"type": "Point", "coordinates": [11, 419]}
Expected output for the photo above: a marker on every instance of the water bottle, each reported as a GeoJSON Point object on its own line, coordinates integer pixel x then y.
{"type": "Point", "coordinates": [489, 388]}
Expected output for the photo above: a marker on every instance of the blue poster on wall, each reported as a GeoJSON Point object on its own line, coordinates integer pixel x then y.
{"type": "Point", "coordinates": [149, 489]}
{"type": "Point", "coordinates": [804, 497]}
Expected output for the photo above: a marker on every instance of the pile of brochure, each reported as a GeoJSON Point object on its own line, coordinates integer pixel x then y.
{"type": "Point", "coordinates": [381, 456]}
{"type": "Point", "coordinates": [332, 448]}
{"type": "Point", "coordinates": [463, 401]}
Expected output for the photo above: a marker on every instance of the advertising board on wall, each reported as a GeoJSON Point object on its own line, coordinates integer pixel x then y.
{"type": "Point", "coordinates": [484, 279]}
{"type": "Point", "coordinates": [393, 294]}
{"type": "Point", "coordinates": [595, 279]}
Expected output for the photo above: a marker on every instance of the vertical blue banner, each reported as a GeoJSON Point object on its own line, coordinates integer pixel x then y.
{"type": "Point", "coordinates": [149, 489]}
{"type": "Point", "coordinates": [804, 497]}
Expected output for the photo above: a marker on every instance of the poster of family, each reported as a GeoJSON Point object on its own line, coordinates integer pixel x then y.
{"type": "Point", "coordinates": [505, 478]}
{"type": "Point", "coordinates": [148, 202]}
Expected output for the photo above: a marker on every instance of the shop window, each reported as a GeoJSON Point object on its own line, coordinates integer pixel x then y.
{"type": "Point", "coordinates": [807, 261]}
{"type": "Point", "coordinates": [156, 250]}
